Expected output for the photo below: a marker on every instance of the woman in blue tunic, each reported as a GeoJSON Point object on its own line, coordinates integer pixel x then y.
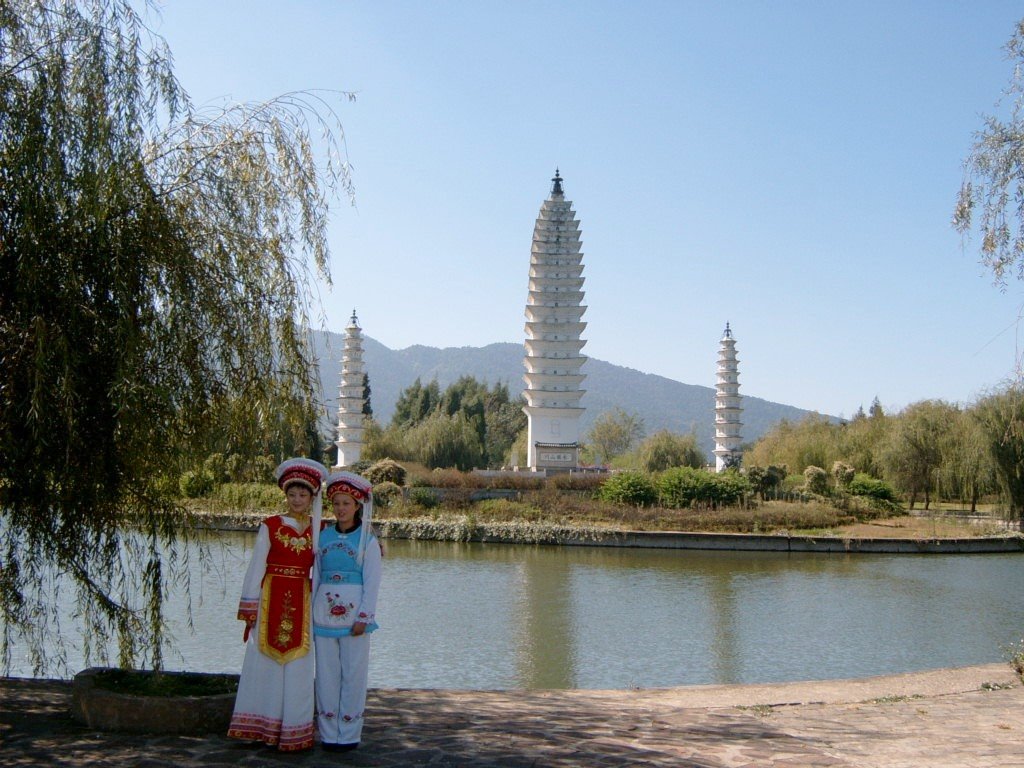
{"type": "Point", "coordinates": [348, 566]}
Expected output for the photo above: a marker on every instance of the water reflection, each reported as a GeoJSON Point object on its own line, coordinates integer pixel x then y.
{"type": "Point", "coordinates": [543, 622]}
{"type": "Point", "coordinates": [724, 655]}
{"type": "Point", "coordinates": [497, 616]}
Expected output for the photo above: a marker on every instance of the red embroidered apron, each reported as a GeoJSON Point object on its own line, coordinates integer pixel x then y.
{"type": "Point", "coordinates": [285, 599]}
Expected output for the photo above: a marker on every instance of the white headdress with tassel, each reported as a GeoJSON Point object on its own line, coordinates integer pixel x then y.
{"type": "Point", "coordinates": [360, 489]}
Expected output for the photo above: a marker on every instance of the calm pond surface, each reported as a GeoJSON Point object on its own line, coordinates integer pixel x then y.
{"type": "Point", "coordinates": [457, 615]}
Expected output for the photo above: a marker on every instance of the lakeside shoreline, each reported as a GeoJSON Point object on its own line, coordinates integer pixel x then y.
{"type": "Point", "coordinates": [465, 529]}
{"type": "Point", "coordinates": [938, 681]}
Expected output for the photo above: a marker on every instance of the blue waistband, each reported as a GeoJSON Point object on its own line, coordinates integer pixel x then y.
{"type": "Point", "coordinates": [341, 577]}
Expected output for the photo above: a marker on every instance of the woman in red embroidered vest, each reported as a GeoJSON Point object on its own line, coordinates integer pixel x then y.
{"type": "Point", "coordinates": [274, 704]}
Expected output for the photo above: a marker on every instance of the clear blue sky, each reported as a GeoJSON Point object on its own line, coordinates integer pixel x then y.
{"type": "Point", "coordinates": [788, 167]}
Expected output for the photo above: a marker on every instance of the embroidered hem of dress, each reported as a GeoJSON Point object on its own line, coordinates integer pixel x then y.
{"type": "Point", "coordinates": [270, 732]}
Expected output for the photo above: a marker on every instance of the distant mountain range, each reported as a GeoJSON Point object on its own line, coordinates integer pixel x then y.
{"type": "Point", "coordinates": [662, 403]}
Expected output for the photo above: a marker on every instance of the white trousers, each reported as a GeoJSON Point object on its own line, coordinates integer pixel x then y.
{"type": "Point", "coordinates": [342, 664]}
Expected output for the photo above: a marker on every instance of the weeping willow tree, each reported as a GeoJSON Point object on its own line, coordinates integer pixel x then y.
{"type": "Point", "coordinates": [155, 271]}
{"type": "Point", "coordinates": [991, 197]}
{"type": "Point", "coordinates": [991, 201]}
{"type": "Point", "coordinates": [1000, 416]}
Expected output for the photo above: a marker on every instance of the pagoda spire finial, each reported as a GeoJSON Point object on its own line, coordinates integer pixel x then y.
{"type": "Point", "coordinates": [556, 185]}
{"type": "Point", "coordinates": [728, 331]}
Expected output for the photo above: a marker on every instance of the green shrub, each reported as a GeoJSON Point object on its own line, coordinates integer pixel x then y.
{"type": "Point", "coordinates": [386, 471]}
{"type": "Point", "coordinates": [865, 485]}
{"type": "Point", "coordinates": [361, 467]}
{"type": "Point", "coordinates": [216, 464]}
{"type": "Point", "coordinates": [633, 488]}
{"type": "Point", "coordinates": [816, 480]}
{"type": "Point", "coordinates": [842, 473]}
{"type": "Point", "coordinates": [386, 493]}
{"type": "Point", "coordinates": [167, 485]}
{"type": "Point", "coordinates": [682, 487]}
{"type": "Point", "coordinates": [424, 497]}
{"type": "Point", "coordinates": [868, 507]}
{"type": "Point", "coordinates": [766, 480]}
{"type": "Point", "coordinates": [731, 488]}
{"type": "Point", "coordinates": [418, 480]}
{"type": "Point", "coordinates": [665, 449]}
{"type": "Point", "coordinates": [245, 496]}
{"type": "Point", "coordinates": [196, 483]}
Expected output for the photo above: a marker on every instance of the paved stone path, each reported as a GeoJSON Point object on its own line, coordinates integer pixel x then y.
{"type": "Point", "coordinates": [967, 718]}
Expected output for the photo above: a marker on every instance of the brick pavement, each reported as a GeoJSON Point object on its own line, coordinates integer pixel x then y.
{"type": "Point", "coordinates": [968, 718]}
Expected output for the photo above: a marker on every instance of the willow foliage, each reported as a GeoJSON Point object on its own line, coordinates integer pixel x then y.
{"type": "Point", "coordinates": [1000, 416]}
{"type": "Point", "coordinates": [991, 195]}
{"type": "Point", "coordinates": [153, 275]}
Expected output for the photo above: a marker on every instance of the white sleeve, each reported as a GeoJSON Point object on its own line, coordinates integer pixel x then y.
{"type": "Point", "coordinates": [254, 575]}
{"type": "Point", "coordinates": [371, 581]}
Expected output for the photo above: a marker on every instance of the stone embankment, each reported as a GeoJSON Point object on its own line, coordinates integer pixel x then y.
{"type": "Point", "coordinates": [456, 528]}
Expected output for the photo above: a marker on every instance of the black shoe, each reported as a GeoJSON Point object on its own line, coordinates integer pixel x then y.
{"type": "Point", "coordinates": [330, 747]}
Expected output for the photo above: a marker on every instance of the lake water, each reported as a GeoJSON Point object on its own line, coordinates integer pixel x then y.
{"type": "Point", "coordinates": [456, 615]}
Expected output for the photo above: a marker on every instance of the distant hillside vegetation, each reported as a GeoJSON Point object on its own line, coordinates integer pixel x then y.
{"type": "Point", "coordinates": [662, 403]}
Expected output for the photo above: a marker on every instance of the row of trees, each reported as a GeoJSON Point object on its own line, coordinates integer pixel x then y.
{"type": "Point", "coordinates": [473, 425]}
{"type": "Point", "coordinates": [619, 439]}
{"type": "Point", "coordinates": [930, 449]}
{"type": "Point", "coordinates": [468, 425]}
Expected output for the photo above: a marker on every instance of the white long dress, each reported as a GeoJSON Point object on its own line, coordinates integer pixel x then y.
{"type": "Point", "coordinates": [274, 703]}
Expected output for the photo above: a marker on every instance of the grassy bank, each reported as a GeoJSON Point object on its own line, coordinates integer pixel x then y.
{"type": "Point", "coordinates": [545, 516]}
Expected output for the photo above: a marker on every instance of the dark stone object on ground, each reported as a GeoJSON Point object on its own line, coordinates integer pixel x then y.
{"type": "Point", "coordinates": [107, 710]}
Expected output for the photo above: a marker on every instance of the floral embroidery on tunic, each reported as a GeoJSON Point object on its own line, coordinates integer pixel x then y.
{"type": "Point", "coordinates": [337, 606]}
{"type": "Point", "coordinates": [294, 543]}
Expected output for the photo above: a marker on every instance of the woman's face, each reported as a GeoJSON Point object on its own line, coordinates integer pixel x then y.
{"type": "Point", "coordinates": [345, 508]}
{"type": "Point", "coordinates": [299, 499]}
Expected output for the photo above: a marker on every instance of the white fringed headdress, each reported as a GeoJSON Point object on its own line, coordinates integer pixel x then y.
{"type": "Point", "coordinates": [360, 489]}
{"type": "Point", "coordinates": [309, 474]}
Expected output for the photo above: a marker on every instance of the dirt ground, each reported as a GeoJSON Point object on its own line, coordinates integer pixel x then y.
{"type": "Point", "coordinates": [916, 526]}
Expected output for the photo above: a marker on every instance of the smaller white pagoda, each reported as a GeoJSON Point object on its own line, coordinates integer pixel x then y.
{"type": "Point", "coordinates": [350, 397]}
{"type": "Point", "coordinates": [727, 406]}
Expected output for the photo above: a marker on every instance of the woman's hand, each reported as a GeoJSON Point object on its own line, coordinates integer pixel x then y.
{"type": "Point", "coordinates": [249, 624]}
{"type": "Point", "coordinates": [358, 628]}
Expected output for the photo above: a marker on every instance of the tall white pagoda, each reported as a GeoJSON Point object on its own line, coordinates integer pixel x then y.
{"type": "Point", "coordinates": [554, 312]}
{"type": "Point", "coordinates": [727, 406]}
{"type": "Point", "coordinates": [350, 397]}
